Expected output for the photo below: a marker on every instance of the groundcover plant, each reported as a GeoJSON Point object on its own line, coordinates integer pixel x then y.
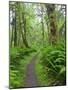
{"type": "Point", "coordinates": [37, 44]}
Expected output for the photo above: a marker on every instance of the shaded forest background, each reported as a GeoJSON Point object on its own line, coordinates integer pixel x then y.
{"type": "Point", "coordinates": [37, 28]}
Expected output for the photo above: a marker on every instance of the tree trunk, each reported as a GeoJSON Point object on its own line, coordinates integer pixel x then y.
{"type": "Point", "coordinates": [53, 25]}
{"type": "Point", "coordinates": [12, 31]}
{"type": "Point", "coordinates": [24, 29]}
{"type": "Point", "coordinates": [42, 23]}
{"type": "Point", "coordinates": [12, 38]}
{"type": "Point", "coordinates": [15, 31]}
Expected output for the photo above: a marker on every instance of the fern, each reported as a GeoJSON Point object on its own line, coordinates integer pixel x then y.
{"type": "Point", "coordinates": [53, 58]}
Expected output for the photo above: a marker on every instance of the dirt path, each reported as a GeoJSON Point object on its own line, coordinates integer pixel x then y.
{"type": "Point", "coordinates": [31, 79]}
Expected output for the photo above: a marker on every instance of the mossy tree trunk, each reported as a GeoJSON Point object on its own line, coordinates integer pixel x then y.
{"type": "Point", "coordinates": [53, 23]}
{"type": "Point", "coordinates": [15, 30]}
{"type": "Point", "coordinates": [42, 22]}
{"type": "Point", "coordinates": [24, 27]}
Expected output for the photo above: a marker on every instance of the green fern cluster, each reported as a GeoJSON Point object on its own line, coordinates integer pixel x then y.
{"type": "Point", "coordinates": [53, 60]}
{"type": "Point", "coordinates": [17, 66]}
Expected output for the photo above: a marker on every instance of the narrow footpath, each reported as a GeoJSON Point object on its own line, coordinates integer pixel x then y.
{"type": "Point", "coordinates": [31, 79]}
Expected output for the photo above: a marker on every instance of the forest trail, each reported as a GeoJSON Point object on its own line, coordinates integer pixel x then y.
{"type": "Point", "coordinates": [31, 79]}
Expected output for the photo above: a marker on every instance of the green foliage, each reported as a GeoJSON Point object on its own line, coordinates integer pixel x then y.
{"type": "Point", "coordinates": [53, 59]}
{"type": "Point", "coordinates": [39, 27]}
{"type": "Point", "coordinates": [18, 63]}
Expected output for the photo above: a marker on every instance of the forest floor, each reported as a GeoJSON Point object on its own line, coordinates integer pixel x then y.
{"type": "Point", "coordinates": [31, 78]}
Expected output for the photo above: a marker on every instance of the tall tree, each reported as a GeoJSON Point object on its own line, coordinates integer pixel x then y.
{"type": "Point", "coordinates": [53, 24]}
{"type": "Point", "coordinates": [15, 32]}
{"type": "Point", "coordinates": [42, 21]}
{"type": "Point", "coordinates": [24, 26]}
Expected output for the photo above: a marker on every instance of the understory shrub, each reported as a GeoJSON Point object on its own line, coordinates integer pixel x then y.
{"type": "Point", "coordinates": [54, 63]}
{"type": "Point", "coordinates": [17, 65]}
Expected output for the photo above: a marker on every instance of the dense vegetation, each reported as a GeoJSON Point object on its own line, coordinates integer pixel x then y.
{"type": "Point", "coordinates": [52, 66]}
{"type": "Point", "coordinates": [37, 28]}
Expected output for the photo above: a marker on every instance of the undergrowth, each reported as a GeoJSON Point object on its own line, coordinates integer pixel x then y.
{"type": "Point", "coordinates": [19, 58]}
{"type": "Point", "coordinates": [51, 66]}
